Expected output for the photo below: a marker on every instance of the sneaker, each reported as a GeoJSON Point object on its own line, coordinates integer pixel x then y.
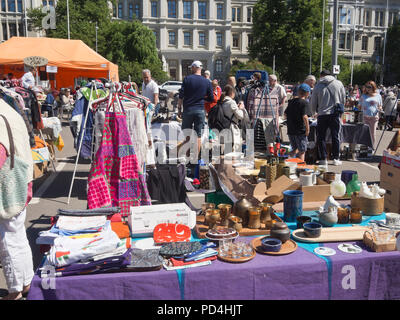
{"type": "Point", "coordinates": [337, 162]}
{"type": "Point", "coordinates": [322, 162]}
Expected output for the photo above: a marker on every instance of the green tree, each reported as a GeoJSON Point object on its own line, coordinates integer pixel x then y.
{"type": "Point", "coordinates": [129, 44]}
{"type": "Point", "coordinates": [285, 29]}
{"type": "Point", "coordinates": [363, 73]}
{"type": "Point", "coordinates": [392, 63]}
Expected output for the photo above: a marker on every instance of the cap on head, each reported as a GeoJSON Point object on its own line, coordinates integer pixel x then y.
{"type": "Point", "coordinates": [207, 72]}
{"type": "Point", "coordinates": [305, 87]}
{"type": "Point", "coordinates": [325, 73]}
{"type": "Point", "coordinates": [196, 64]}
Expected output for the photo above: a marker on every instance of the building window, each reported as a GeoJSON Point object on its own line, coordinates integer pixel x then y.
{"type": "Point", "coordinates": [202, 38]}
{"type": "Point", "coordinates": [345, 41]}
{"type": "Point", "coordinates": [367, 18]}
{"type": "Point", "coordinates": [171, 38]}
{"type": "Point", "coordinates": [3, 5]}
{"type": "Point", "coordinates": [154, 9]}
{"type": "Point", "coordinates": [44, 2]}
{"type": "Point", "coordinates": [187, 38]}
{"type": "Point", "coordinates": [218, 65]}
{"type": "Point", "coordinates": [187, 9]}
{"type": "Point", "coordinates": [13, 29]}
{"type": "Point", "coordinates": [364, 43]}
{"type": "Point", "coordinates": [171, 9]}
{"type": "Point", "coordinates": [235, 40]}
{"type": "Point", "coordinates": [379, 18]}
{"type": "Point", "coordinates": [202, 9]}
{"type": "Point", "coordinates": [137, 10]}
{"type": "Point", "coordinates": [155, 36]}
{"type": "Point", "coordinates": [345, 15]}
{"type": "Point", "coordinates": [11, 8]}
{"type": "Point", "coordinates": [131, 11]}
{"type": "Point", "coordinates": [220, 11]}
{"type": "Point", "coordinates": [219, 39]}
{"type": "Point", "coordinates": [21, 30]}
{"type": "Point", "coordinates": [120, 10]}
{"type": "Point", "coordinates": [236, 14]}
{"type": "Point", "coordinates": [19, 5]}
{"type": "Point", "coordinates": [377, 43]}
{"type": "Point", "coordinates": [249, 14]}
{"type": "Point", "coordinates": [5, 35]}
{"type": "Point", "coordinates": [249, 40]}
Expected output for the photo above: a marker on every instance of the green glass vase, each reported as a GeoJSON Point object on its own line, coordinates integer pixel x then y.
{"type": "Point", "coordinates": [353, 186]}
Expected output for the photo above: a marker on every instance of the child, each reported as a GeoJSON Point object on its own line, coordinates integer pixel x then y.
{"type": "Point", "coordinates": [297, 122]}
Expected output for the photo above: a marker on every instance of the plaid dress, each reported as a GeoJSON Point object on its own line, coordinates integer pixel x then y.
{"type": "Point", "coordinates": [115, 179]}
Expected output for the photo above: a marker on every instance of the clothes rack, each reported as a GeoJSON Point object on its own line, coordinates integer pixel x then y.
{"type": "Point", "coordinates": [91, 102]}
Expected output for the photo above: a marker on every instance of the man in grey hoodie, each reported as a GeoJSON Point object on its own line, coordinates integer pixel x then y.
{"type": "Point", "coordinates": [327, 93]}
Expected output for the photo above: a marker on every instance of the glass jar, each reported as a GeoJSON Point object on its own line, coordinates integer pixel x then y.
{"type": "Point", "coordinates": [355, 215]}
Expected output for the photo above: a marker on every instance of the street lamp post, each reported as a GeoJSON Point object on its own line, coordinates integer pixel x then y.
{"type": "Point", "coordinates": [354, 41]}
{"type": "Point", "coordinates": [26, 19]}
{"type": "Point", "coordinates": [69, 34]}
{"type": "Point", "coordinates": [385, 40]}
{"type": "Point", "coordinates": [311, 40]}
{"type": "Point", "coordinates": [323, 33]}
{"type": "Point", "coordinates": [96, 35]}
{"type": "Point", "coordinates": [335, 32]}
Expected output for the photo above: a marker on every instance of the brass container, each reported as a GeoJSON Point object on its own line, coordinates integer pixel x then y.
{"type": "Point", "coordinates": [266, 214]}
{"type": "Point", "coordinates": [235, 223]}
{"type": "Point", "coordinates": [213, 217]}
{"type": "Point", "coordinates": [343, 215]}
{"type": "Point", "coordinates": [225, 212]}
{"type": "Point", "coordinates": [355, 215]}
{"type": "Point", "coordinates": [254, 218]}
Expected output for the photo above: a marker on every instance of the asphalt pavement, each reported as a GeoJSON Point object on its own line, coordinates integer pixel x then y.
{"type": "Point", "coordinates": [51, 191]}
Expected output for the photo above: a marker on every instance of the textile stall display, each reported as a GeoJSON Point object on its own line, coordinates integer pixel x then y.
{"type": "Point", "coordinates": [73, 58]}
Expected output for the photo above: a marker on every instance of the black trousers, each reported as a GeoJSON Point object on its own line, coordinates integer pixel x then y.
{"type": "Point", "coordinates": [333, 123]}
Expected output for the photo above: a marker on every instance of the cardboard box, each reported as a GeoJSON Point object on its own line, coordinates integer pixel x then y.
{"type": "Point", "coordinates": [39, 169]}
{"type": "Point", "coordinates": [390, 174]}
{"type": "Point", "coordinates": [281, 184]}
{"type": "Point", "coordinates": [392, 197]}
{"type": "Point", "coordinates": [319, 192]}
{"type": "Point", "coordinates": [390, 159]}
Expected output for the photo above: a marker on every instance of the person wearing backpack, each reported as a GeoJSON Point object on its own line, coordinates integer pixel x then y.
{"type": "Point", "coordinates": [233, 112]}
{"type": "Point", "coordinates": [327, 101]}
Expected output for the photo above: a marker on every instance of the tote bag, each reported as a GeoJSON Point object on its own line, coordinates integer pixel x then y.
{"type": "Point", "coordinates": [115, 178]}
{"type": "Point", "coordinates": [13, 181]}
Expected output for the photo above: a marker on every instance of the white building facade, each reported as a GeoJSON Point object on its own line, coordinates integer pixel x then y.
{"type": "Point", "coordinates": [370, 20]}
{"type": "Point", "coordinates": [215, 32]}
{"type": "Point", "coordinates": [13, 17]}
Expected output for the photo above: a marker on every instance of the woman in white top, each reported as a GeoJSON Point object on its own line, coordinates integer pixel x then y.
{"type": "Point", "coordinates": [235, 113]}
{"type": "Point", "coordinates": [28, 79]}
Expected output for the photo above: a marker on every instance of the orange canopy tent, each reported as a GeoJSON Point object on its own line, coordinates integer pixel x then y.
{"type": "Point", "coordinates": [73, 58]}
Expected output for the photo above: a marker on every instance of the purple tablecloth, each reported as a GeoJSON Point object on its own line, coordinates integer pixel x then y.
{"type": "Point", "coordinates": [300, 275]}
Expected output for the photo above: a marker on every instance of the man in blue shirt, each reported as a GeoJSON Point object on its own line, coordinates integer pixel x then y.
{"type": "Point", "coordinates": [195, 89]}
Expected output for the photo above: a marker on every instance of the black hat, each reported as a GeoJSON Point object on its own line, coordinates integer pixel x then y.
{"type": "Point", "coordinates": [325, 73]}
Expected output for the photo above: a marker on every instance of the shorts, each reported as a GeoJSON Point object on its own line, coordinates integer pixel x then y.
{"type": "Point", "coordinates": [194, 119]}
{"type": "Point", "coordinates": [298, 142]}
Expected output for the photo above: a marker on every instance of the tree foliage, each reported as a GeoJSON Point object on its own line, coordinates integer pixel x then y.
{"type": "Point", "coordinates": [286, 29]}
{"type": "Point", "coordinates": [392, 62]}
{"type": "Point", "coordinates": [129, 44]}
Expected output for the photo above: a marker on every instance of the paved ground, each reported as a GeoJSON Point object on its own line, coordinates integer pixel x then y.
{"type": "Point", "coordinates": [51, 191]}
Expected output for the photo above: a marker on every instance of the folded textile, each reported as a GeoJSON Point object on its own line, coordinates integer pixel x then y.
{"type": "Point", "coordinates": [168, 266]}
{"type": "Point", "coordinates": [80, 223]}
{"type": "Point", "coordinates": [89, 212]}
{"type": "Point", "coordinates": [121, 229]}
{"type": "Point", "coordinates": [46, 237]}
{"type": "Point", "coordinates": [179, 263]}
{"type": "Point", "coordinates": [90, 267]}
{"type": "Point", "coordinates": [65, 232]}
{"type": "Point", "coordinates": [68, 250]}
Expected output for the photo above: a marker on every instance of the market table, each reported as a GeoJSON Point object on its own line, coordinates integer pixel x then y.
{"type": "Point", "coordinates": [349, 133]}
{"type": "Point", "coordinates": [301, 275]}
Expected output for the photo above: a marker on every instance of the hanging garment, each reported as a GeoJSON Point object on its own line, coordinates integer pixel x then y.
{"type": "Point", "coordinates": [32, 104]}
{"type": "Point", "coordinates": [165, 184]}
{"type": "Point", "coordinates": [115, 178]}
